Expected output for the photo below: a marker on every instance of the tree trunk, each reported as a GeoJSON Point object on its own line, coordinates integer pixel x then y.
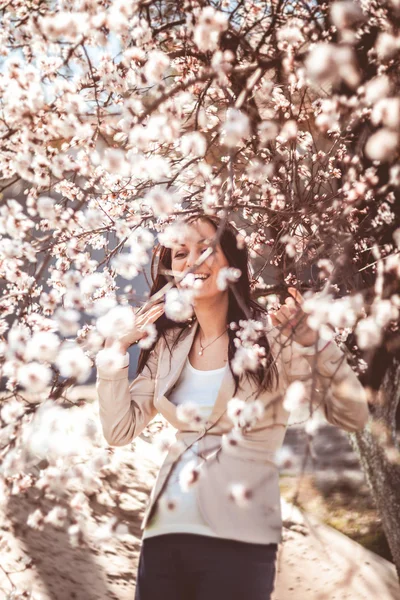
{"type": "Point", "coordinates": [381, 467]}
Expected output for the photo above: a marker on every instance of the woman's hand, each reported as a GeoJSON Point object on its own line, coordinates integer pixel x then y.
{"type": "Point", "coordinates": [293, 320]}
{"type": "Point", "coordinates": [142, 317]}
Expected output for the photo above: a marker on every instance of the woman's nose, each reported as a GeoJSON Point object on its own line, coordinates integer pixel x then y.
{"type": "Point", "coordinates": [191, 258]}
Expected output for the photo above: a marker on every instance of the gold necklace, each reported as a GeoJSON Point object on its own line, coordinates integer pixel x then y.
{"type": "Point", "coordinates": [204, 347]}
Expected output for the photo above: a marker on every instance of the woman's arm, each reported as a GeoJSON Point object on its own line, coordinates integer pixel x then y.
{"type": "Point", "coordinates": [323, 368]}
{"type": "Point", "coordinates": [126, 409]}
{"type": "Point", "coordinates": [330, 382]}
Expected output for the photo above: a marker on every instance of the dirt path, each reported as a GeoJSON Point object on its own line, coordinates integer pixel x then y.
{"type": "Point", "coordinates": [45, 563]}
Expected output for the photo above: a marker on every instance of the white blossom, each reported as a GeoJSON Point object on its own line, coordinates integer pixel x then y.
{"type": "Point", "coordinates": [43, 346]}
{"type": "Point", "coordinates": [149, 336]}
{"type": "Point", "coordinates": [245, 414]}
{"type": "Point", "coordinates": [251, 414]}
{"type": "Point", "coordinates": [346, 13]}
{"type": "Point", "coordinates": [156, 65]}
{"type": "Point", "coordinates": [387, 45]}
{"type": "Point", "coordinates": [194, 144]}
{"type": "Point", "coordinates": [385, 311]}
{"type": "Point", "coordinates": [57, 517]}
{"type": "Point", "coordinates": [189, 412]}
{"type": "Point", "coordinates": [240, 494]}
{"type": "Point", "coordinates": [75, 535]}
{"type": "Point", "coordinates": [313, 424]}
{"type": "Point", "coordinates": [92, 282]}
{"type": "Point", "coordinates": [178, 304]}
{"type": "Point", "coordinates": [329, 63]}
{"type": "Point", "coordinates": [342, 312]}
{"type": "Point", "coordinates": [227, 275]}
{"type": "Point", "coordinates": [377, 88]}
{"type": "Point", "coordinates": [382, 145]}
{"type": "Point", "coordinates": [235, 408]}
{"type": "Point", "coordinates": [387, 112]}
{"type": "Point", "coordinates": [34, 377]}
{"type": "Point", "coordinates": [126, 265]}
{"type": "Point", "coordinates": [285, 458]}
{"type": "Point", "coordinates": [268, 131]}
{"type": "Point", "coordinates": [110, 359]}
{"type": "Point", "coordinates": [189, 475]}
{"type": "Point", "coordinates": [58, 432]}
{"type": "Point", "coordinates": [328, 118]}
{"type": "Point", "coordinates": [11, 411]}
{"type": "Point", "coordinates": [18, 337]}
{"type": "Point", "coordinates": [369, 334]}
{"type": "Point", "coordinates": [68, 321]}
{"type": "Point", "coordinates": [234, 437]}
{"type": "Point", "coordinates": [79, 503]}
{"type": "Point", "coordinates": [190, 282]}
{"type": "Point", "coordinates": [222, 61]}
{"type": "Point", "coordinates": [249, 330]}
{"type": "Point", "coordinates": [210, 25]}
{"type": "Point", "coordinates": [116, 322]}
{"type": "Point", "coordinates": [36, 520]}
{"type": "Point", "coordinates": [141, 238]}
{"type": "Point", "coordinates": [247, 358]}
{"type": "Point", "coordinates": [73, 362]}
{"type": "Point", "coordinates": [288, 132]}
{"type": "Point", "coordinates": [161, 201]}
{"type": "Point", "coordinates": [236, 128]}
{"type": "Point", "coordinates": [295, 396]}
{"type": "Point", "coordinates": [46, 207]}
{"type": "Point", "coordinates": [164, 440]}
{"type": "Point", "coordinates": [291, 34]}
{"type": "Point", "coordinates": [173, 234]}
{"type": "Point", "coordinates": [64, 24]}
{"type": "Point", "coordinates": [114, 161]}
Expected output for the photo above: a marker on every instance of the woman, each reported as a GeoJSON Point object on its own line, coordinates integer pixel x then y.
{"type": "Point", "coordinates": [213, 522]}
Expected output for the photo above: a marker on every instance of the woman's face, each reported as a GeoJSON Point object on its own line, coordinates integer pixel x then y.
{"type": "Point", "coordinates": [184, 256]}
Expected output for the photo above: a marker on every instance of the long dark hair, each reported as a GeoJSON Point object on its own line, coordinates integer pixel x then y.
{"type": "Point", "coordinates": [265, 376]}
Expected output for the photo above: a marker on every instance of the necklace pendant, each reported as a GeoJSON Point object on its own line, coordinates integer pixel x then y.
{"type": "Point", "coordinates": [201, 353]}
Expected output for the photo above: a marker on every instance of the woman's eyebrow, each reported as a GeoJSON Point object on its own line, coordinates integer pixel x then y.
{"type": "Point", "coordinates": [199, 242]}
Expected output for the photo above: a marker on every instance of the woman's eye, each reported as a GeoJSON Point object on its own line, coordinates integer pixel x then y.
{"type": "Point", "coordinates": [182, 253]}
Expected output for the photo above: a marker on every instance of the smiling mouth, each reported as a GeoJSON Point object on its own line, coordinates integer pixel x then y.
{"type": "Point", "coordinates": [201, 277]}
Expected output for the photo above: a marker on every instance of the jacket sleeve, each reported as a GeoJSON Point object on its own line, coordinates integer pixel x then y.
{"type": "Point", "coordinates": [126, 409]}
{"type": "Point", "coordinates": [329, 380]}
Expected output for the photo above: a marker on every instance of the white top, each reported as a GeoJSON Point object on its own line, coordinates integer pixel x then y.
{"type": "Point", "coordinates": [202, 388]}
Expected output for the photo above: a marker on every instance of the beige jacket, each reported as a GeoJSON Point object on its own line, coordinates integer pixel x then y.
{"type": "Point", "coordinates": [126, 409]}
